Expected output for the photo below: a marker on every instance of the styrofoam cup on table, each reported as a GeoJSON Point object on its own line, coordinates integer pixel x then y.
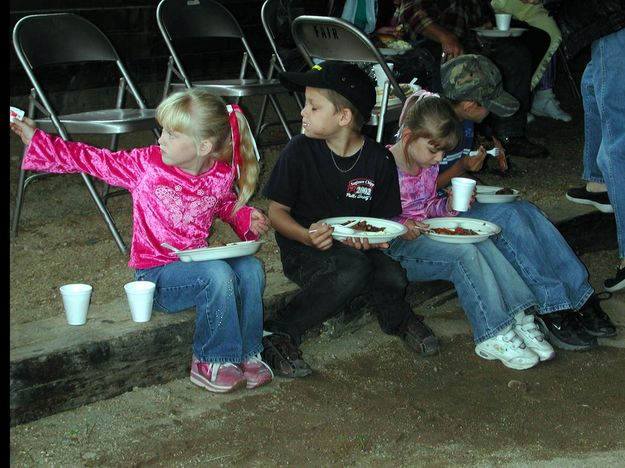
{"type": "Point", "coordinates": [76, 297]}
{"type": "Point", "coordinates": [462, 189]}
{"type": "Point", "coordinates": [140, 295]}
{"type": "Point", "coordinates": [503, 21]}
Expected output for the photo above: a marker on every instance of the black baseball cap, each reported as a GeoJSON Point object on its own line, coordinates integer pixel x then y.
{"type": "Point", "coordinates": [345, 78]}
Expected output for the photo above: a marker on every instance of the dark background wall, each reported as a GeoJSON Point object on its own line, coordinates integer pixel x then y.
{"type": "Point", "coordinates": [131, 27]}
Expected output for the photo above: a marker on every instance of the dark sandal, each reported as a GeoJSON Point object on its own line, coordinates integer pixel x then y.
{"type": "Point", "coordinates": [284, 358]}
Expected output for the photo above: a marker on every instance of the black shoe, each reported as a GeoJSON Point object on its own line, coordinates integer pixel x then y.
{"type": "Point", "coordinates": [617, 283]}
{"type": "Point", "coordinates": [283, 356]}
{"type": "Point", "coordinates": [594, 320]}
{"type": "Point", "coordinates": [419, 337]}
{"type": "Point", "coordinates": [564, 330]}
{"type": "Point", "coordinates": [582, 196]}
{"type": "Point", "coordinates": [523, 148]}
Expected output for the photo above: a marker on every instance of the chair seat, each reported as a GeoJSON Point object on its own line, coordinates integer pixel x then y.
{"type": "Point", "coordinates": [237, 87]}
{"type": "Point", "coordinates": [104, 121]}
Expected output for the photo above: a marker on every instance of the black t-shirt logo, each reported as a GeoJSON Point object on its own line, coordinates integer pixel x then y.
{"type": "Point", "coordinates": [361, 189]}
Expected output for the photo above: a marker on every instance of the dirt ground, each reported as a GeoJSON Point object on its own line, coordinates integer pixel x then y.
{"type": "Point", "coordinates": [370, 401]}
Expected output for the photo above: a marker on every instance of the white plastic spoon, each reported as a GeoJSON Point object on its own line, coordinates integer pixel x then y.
{"type": "Point", "coordinates": [170, 247]}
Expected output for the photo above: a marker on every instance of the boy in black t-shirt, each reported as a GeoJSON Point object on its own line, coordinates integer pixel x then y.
{"type": "Point", "coordinates": [333, 170]}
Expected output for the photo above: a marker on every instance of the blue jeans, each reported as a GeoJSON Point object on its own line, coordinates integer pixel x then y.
{"type": "Point", "coordinates": [539, 253]}
{"type": "Point", "coordinates": [489, 289]}
{"type": "Point", "coordinates": [228, 299]}
{"type": "Point", "coordinates": [602, 90]}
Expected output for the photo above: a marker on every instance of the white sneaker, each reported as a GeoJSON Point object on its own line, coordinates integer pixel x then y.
{"type": "Point", "coordinates": [533, 338]}
{"type": "Point", "coordinates": [509, 349]}
{"type": "Point", "coordinates": [545, 104]}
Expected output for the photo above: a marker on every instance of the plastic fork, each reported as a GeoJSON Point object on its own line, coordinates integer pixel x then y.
{"type": "Point", "coordinates": [493, 152]}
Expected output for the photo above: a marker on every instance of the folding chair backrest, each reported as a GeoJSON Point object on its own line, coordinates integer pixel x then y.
{"type": "Point", "coordinates": [65, 38]}
{"type": "Point", "coordinates": [189, 19]}
{"type": "Point", "coordinates": [44, 41]}
{"type": "Point", "coordinates": [330, 38]}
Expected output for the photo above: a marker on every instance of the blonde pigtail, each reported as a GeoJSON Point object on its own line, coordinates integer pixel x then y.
{"type": "Point", "coordinates": [249, 170]}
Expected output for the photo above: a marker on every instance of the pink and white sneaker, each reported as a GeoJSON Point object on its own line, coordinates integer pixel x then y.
{"type": "Point", "coordinates": [256, 372]}
{"type": "Point", "coordinates": [217, 377]}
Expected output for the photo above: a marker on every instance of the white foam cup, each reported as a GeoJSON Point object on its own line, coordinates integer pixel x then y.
{"type": "Point", "coordinates": [140, 295]}
{"type": "Point", "coordinates": [380, 76]}
{"type": "Point", "coordinates": [503, 21]}
{"type": "Point", "coordinates": [462, 191]}
{"type": "Point", "coordinates": [76, 299]}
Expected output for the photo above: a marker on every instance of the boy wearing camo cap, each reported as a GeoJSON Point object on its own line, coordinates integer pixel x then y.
{"type": "Point", "coordinates": [569, 313]}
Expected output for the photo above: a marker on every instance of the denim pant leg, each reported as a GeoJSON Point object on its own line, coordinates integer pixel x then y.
{"type": "Point", "coordinates": [603, 96]}
{"type": "Point", "coordinates": [539, 253]}
{"type": "Point", "coordinates": [227, 295]}
{"type": "Point", "coordinates": [387, 292]}
{"type": "Point", "coordinates": [250, 274]}
{"type": "Point", "coordinates": [328, 281]}
{"type": "Point", "coordinates": [489, 289]}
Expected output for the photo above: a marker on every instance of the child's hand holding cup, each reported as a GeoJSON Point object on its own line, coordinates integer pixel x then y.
{"type": "Point", "coordinates": [462, 189]}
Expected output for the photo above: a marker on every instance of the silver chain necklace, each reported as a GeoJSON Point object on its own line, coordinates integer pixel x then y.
{"type": "Point", "coordinates": [344, 171]}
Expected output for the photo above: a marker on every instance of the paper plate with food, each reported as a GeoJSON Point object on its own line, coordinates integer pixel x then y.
{"type": "Point", "coordinates": [407, 88]}
{"type": "Point", "coordinates": [456, 230]}
{"type": "Point", "coordinates": [494, 194]}
{"type": "Point", "coordinates": [375, 230]}
{"type": "Point", "coordinates": [217, 252]}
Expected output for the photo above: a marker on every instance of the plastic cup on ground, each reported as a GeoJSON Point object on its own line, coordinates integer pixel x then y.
{"type": "Point", "coordinates": [140, 295]}
{"type": "Point", "coordinates": [462, 191]}
{"type": "Point", "coordinates": [503, 21]}
{"type": "Point", "coordinates": [76, 299]}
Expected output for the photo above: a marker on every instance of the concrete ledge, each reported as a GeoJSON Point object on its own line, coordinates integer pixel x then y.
{"type": "Point", "coordinates": [55, 367]}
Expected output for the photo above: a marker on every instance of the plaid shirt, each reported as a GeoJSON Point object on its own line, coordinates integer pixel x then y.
{"type": "Point", "coordinates": [457, 16]}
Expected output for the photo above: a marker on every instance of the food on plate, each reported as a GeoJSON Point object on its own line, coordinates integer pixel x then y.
{"type": "Point", "coordinates": [407, 88]}
{"type": "Point", "coordinates": [363, 226]}
{"type": "Point", "coordinates": [459, 231]}
{"type": "Point", "coordinates": [505, 191]}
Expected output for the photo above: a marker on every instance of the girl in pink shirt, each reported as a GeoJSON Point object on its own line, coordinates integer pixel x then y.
{"type": "Point", "coordinates": [177, 189]}
{"type": "Point", "coordinates": [493, 295]}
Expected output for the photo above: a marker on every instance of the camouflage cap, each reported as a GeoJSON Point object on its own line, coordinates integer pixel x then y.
{"type": "Point", "coordinates": [476, 78]}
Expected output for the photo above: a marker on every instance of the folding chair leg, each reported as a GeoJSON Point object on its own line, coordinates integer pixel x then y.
{"type": "Point", "coordinates": [281, 117]}
{"type": "Point", "coordinates": [19, 201]}
{"type": "Point", "coordinates": [104, 212]}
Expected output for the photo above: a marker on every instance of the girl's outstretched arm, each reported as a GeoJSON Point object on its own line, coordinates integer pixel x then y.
{"type": "Point", "coordinates": [25, 129]}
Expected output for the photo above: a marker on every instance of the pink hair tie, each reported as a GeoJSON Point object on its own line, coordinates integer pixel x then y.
{"type": "Point", "coordinates": [416, 96]}
{"type": "Point", "coordinates": [236, 137]}
{"type": "Point", "coordinates": [422, 93]}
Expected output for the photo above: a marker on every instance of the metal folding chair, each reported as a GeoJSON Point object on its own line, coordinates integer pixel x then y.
{"type": "Point", "coordinates": [50, 41]}
{"type": "Point", "coordinates": [268, 15]}
{"type": "Point", "coordinates": [329, 38]}
{"type": "Point", "coordinates": [180, 20]}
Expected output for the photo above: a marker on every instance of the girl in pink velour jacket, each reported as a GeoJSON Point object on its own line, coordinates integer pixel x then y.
{"type": "Point", "coordinates": [178, 188]}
